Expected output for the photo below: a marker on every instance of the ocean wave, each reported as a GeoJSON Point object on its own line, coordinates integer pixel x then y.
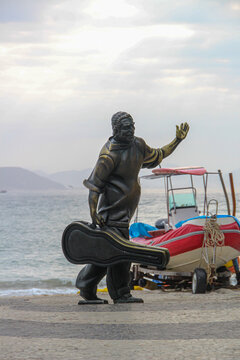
{"type": "Point", "coordinates": [36, 283]}
{"type": "Point", "coordinates": [37, 291]}
{"type": "Point", "coordinates": [39, 287]}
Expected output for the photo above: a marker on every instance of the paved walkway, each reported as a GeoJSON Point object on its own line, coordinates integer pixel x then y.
{"type": "Point", "coordinates": [175, 325]}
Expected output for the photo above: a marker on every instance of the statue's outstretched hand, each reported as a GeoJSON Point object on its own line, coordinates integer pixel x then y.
{"type": "Point", "coordinates": [181, 132]}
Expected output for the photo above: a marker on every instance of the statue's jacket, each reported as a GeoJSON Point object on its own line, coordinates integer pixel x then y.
{"type": "Point", "coordinates": [115, 178]}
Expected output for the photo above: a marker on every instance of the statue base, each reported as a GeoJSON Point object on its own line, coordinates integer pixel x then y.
{"type": "Point", "coordinates": [92, 302]}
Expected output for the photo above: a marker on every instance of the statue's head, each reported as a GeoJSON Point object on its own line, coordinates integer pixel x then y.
{"type": "Point", "coordinates": [123, 127]}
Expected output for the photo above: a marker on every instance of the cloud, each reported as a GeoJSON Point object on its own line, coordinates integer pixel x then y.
{"type": "Point", "coordinates": [67, 66]}
{"type": "Point", "coordinates": [24, 11]}
{"type": "Point", "coordinates": [189, 11]}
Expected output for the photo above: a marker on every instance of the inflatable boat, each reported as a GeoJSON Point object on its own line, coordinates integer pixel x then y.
{"type": "Point", "coordinates": [199, 246]}
{"type": "Point", "coordinates": [189, 246]}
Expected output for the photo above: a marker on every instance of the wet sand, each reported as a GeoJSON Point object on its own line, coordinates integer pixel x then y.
{"type": "Point", "coordinates": [169, 325]}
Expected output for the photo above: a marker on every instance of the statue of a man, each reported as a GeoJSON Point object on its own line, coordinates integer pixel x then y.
{"type": "Point", "coordinates": [114, 193]}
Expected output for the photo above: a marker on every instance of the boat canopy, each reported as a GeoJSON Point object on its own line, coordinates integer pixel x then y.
{"type": "Point", "coordinates": [161, 172]}
{"type": "Point", "coordinates": [194, 170]}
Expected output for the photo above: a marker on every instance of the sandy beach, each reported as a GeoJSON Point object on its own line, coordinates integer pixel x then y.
{"type": "Point", "coordinates": [169, 325]}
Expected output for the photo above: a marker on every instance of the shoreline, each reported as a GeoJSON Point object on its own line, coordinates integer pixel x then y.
{"type": "Point", "coordinates": [15, 293]}
{"type": "Point", "coordinates": [174, 325]}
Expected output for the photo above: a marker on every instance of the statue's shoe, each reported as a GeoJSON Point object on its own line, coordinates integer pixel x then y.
{"type": "Point", "coordinates": [90, 299]}
{"type": "Point", "coordinates": [127, 299]}
{"type": "Point", "coordinates": [93, 302]}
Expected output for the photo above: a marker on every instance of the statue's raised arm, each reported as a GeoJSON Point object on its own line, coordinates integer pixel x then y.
{"type": "Point", "coordinates": [181, 133]}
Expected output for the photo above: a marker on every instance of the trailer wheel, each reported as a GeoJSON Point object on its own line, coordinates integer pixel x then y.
{"type": "Point", "coordinates": [142, 282]}
{"type": "Point", "coordinates": [199, 281]}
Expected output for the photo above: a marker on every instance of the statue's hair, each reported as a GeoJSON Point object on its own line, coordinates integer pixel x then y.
{"type": "Point", "coordinates": [117, 118]}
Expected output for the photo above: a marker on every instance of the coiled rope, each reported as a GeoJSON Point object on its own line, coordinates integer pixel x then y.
{"type": "Point", "coordinates": [213, 236]}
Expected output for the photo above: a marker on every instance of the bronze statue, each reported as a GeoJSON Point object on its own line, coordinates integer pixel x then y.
{"type": "Point", "coordinates": [114, 193]}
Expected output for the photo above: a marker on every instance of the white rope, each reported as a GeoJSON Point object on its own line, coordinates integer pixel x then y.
{"type": "Point", "coordinates": [213, 236]}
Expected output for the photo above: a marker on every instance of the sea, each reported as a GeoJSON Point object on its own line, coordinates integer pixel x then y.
{"type": "Point", "coordinates": [31, 227]}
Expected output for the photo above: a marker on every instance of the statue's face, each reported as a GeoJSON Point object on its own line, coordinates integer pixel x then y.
{"type": "Point", "coordinates": [126, 130]}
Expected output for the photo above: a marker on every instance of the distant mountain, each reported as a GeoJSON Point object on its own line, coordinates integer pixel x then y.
{"type": "Point", "coordinates": [72, 178]}
{"type": "Point", "coordinates": [75, 179]}
{"type": "Point", "coordinates": [16, 178]}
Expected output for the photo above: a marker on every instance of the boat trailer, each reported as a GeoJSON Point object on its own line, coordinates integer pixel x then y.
{"type": "Point", "coordinates": [151, 278]}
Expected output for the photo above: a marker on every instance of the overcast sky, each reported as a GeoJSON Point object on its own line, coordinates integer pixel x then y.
{"type": "Point", "coordinates": [67, 66]}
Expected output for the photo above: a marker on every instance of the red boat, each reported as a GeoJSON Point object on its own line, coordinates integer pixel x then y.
{"type": "Point", "coordinates": [198, 245]}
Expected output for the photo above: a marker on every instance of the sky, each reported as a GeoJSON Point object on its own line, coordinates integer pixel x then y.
{"type": "Point", "coordinates": [66, 66]}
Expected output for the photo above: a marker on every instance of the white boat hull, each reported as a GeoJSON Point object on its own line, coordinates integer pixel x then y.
{"type": "Point", "coordinates": [193, 259]}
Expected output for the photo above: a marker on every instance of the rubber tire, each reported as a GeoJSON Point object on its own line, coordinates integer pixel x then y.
{"type": "Point", "coordinates": [199, 281]}
{"type": "Point", "coordinates": [142, 282]}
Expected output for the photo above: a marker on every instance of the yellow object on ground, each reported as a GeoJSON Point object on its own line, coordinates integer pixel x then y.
{"type": "Point", "coordinates": [106, 289]}
{"type": "Point", "coordinates": [229, 264]}
{"type": "Point", "coordinates": [103, 290]}
{"type": "Point", "coordinates": [137, 288]}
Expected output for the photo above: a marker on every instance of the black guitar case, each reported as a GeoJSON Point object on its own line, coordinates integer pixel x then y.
{"type": "Point", "coordinates": [83, 244]}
